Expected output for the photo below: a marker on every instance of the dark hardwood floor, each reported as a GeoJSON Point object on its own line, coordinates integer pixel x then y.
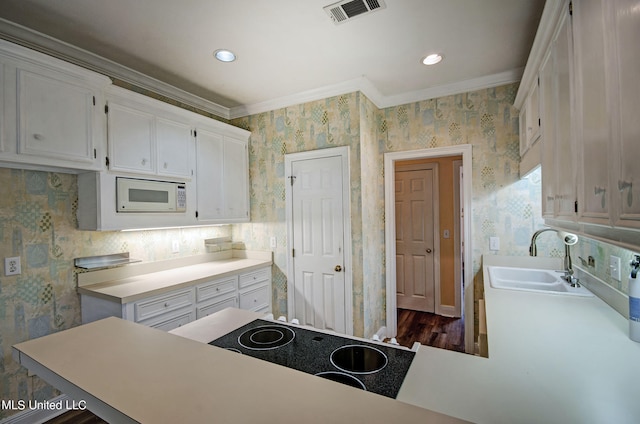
{"type": "Point", "coordinates": [430, 329]}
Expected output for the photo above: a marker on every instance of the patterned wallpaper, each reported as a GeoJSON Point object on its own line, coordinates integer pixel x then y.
{"type": "Point", "coordinates": [503, 204]}
{"type": "Point", "coordinates": [38, 223]}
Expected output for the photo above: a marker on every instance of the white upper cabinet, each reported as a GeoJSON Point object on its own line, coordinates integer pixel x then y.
{"type": "Point", "coordinates": [146, 136]}
{"type": "Point", "coordinates": [222, 176]}
{"type": "Point", "coordinates": [131, 139]}
{"type": "Point", "coordinates": [174, 142]}
{"type": "Point", "coordinates": [210, 175]}
{"type": "Point", "coordinates": [548, 82]}
{"type": "Point", "coordinates": [626, 180]}
{"type": "Point", "coordinates": [589, 102]}
{"type": "Point", "coordinates": [52, 115]}
{"type": "Point", "coordinates": [592, 117]}
{"type": "Point", "coordinates": [530, 119]}
{"type": "Point", "coordinates": [236, 177]}
{"type": "Point", "coordinates": [566, 196]}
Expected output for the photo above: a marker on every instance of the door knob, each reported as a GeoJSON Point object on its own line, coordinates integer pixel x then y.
{"type": "Point", "coordinates": [429, 250]}
{"type": "Point", "coordinates": [338, 268]}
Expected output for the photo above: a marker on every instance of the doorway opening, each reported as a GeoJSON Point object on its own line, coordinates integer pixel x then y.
{"type": "Point", "coordinates": [438, 246]}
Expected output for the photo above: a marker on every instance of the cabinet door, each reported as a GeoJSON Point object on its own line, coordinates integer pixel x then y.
{"type": "Point", "coordinates": [565, 150]}
{"type": "Point", "coordinates": [210, 176]}
{"type": "Point", "coordinates": [55, 117]}
{"type": "Point", "coordinates": [592, 112]}
{"type": "Point", "coordinates": [131, 139]}
{"type": "Point", "coordinates": [236, 179]}
{"type": "Point", "coordinates": [548, 112]}
{"type": "Point", "coordinates": [627, 33]}
{"type": "Point", "coordinates": [173, 143]}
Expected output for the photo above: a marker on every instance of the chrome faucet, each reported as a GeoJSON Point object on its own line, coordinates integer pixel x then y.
{"type": "Point", "coordinates": [569, 240]}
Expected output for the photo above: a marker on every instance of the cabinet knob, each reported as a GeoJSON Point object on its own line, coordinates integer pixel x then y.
{"type": "Point", "coordinates": [429, 250]}
{"type": "Point", "coordinates": [338, 268]}
{"type": "Point", "coordinates": [38, 137]}
{"type": "Point", "coordinates": [166, 304]}
{"type": "Point", "coordinates": [143, 162]}
{"type": "Point", "coordinates": [624, 185]}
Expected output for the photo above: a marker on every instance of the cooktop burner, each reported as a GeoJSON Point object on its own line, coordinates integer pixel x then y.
{"type": "Point", "coordinates": [358, 359]}
{"type": "Point", "coordinates": [374, 367]}
{"type": "Point", "coordinates": [266, 337]}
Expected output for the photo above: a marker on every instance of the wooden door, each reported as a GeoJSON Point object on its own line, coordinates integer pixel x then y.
{"type": "Point", "coordinates": [318, 219]}
{"type": "Point", "coordinates": [416, 190]}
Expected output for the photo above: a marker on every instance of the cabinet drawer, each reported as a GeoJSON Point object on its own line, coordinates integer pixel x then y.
{"type": "Point", "coordinates": [158, 305]}
{"type": "Point", "coordinates": [216, 288]}
{"type": "Point", "coordinates": [216, 305]}
{"type": "Point", "coordinates": [255, 299]}
{"type": "Point", "coordinates": [255, 277]}
{"type": "Point", "coordinates": [172, 322]}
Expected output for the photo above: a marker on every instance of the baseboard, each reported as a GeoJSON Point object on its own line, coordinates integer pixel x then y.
{"type": "Point", "coordinates": [38, 416]}
{"type": "Point", "coordinates": [448, 311]}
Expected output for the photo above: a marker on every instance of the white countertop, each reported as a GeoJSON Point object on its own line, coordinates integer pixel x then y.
{"type": "Point", "coordinates": [127, 372]}
{"type": "Point", "coordinates": [132, 288]}
{"type": "Point", "coordinates": [552, 359]}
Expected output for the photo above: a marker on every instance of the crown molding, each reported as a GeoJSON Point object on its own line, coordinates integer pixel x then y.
{"type": "Point", "coordinates": [366, 87]}
{"type": "Point", "coordinates": [43, 43]}
{"type": "Point", "coordinates": [473, 84]}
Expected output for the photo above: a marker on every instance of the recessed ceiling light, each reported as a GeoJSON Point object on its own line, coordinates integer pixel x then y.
{"type": "Point", "coordinates": [432, 59]}
{"type": "Point", "coordinates": [224, 55]}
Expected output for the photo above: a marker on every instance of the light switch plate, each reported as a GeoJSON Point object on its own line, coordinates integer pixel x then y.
{"type": "Point", "coordinates": [175, 246]}
{"type": "Point", "coordinates": [494, 243]}
{"type": "Point", "coordinates": [273, 242]}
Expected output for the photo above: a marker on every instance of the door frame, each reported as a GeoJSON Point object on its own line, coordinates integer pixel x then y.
{"type": "Point", "coordinates": [390, 234]}
{"type": "Point", "coordinates": [344, 153]}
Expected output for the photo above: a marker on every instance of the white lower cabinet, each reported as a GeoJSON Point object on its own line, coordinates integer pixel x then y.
{"type": "Point", "coordinates": [246, 290]}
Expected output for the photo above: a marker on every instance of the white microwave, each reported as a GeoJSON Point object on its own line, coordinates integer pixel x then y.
{"type": "Point", "coordinates": [138, 195]}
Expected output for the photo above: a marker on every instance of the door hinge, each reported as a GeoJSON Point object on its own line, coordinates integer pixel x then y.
{"type": "Point", "coordinates": [195, 133]}
{"type": "Point", "coordinates": [95, 154]}
{"type": "Point", "coordinates": [106, 108]}
{"type": "Point", "coordinates": [292, 178]}
{"type": "Point", "coordinates": [293, 253]}
{"type": "Point", "coordinates": [106, 161]}
{"type": "Point", "coordinates": [575, 206]}
{"type": "Point", "coordinates": [539, 122]}
{"type": "Point", "coordinates": [196, 214]}
{"type": "Point", "coordinates": [94, 100]}
{"type": "Point", "coordinates": [570, 8]}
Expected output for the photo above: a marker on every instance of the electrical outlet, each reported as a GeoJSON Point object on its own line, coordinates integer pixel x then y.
{"type": "Point", "coordinates": [494, 243]}
{"type": "Point", "coordinates": [175, 246]}
{"type": "Point", "coordinates": [273, 242]}
{"type": "Point", "coordinates": [12, 266]}
{"type": "Point", "coordinates": [615, 265]}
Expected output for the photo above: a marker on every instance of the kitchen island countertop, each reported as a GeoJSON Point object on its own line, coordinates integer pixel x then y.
{"type": "Point", "coordinates": [127, 372]}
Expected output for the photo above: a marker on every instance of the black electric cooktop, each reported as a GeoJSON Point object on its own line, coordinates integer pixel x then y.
{"type": "Point", "coordinates": [369, 366]}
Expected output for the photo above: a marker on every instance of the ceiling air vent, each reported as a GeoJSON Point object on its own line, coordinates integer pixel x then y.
{"type": "Point", "coordinates": [348, 9]}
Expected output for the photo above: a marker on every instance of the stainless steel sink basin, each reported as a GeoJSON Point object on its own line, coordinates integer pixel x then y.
{"type": "Point", "coordinates": [534, 280]}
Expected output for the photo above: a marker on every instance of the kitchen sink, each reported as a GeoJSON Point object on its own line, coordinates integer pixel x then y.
{"type": "Point", "coordinates": [534, 280]}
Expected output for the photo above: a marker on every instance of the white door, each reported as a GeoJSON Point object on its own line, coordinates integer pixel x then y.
{"type": "Point", "coordinates": [318, 292]}
{"type": "Point", "coordinates": [415, 221]}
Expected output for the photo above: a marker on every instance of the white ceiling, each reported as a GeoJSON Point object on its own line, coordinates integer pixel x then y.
{"type": "Point", "coordinates": [290, 49]}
